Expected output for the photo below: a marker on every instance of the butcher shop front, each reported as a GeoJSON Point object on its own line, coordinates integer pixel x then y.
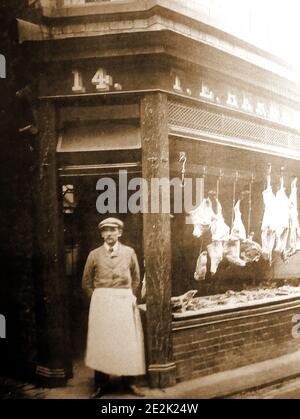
{"type": "Point", "coordinates": [221, 277]}
{"type": "Point", "coordinates": [235, 266]}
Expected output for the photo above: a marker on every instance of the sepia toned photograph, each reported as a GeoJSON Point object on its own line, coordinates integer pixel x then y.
{"type": "Point", "coordinates": [150, 236]}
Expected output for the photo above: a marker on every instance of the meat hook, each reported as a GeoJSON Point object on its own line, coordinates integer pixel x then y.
{"type": "Point", "coordinates": [183, 159]}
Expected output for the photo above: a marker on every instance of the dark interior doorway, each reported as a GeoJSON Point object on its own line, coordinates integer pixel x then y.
{"type": "Point", "coordinates": [81, 235]}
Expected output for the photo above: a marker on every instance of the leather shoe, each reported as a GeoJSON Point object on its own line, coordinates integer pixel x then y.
{"type": "Point", "coordinates": [98, 393]}
{"type": "Point", "coordinates": [136, 391]}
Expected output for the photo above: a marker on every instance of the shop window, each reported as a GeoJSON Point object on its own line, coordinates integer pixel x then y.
{"type": "Point", "coordinates": [69, 203]}
{"type": "Point", "coordinates": [243, 245]}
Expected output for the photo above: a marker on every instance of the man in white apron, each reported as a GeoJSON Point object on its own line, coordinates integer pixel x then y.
{"type": "Point", "coordinates": [115, 344]}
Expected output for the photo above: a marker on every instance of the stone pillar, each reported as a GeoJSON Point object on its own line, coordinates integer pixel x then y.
{"type": "Point", "coordinates": [54, 357]}
{"type": "Point", "coordinates": [157, 244]}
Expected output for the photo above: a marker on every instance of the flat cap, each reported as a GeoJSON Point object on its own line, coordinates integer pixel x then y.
{"type": "Point", "coordinates": [111, 222]}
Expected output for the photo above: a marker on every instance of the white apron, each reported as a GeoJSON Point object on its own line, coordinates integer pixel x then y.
{"type": "Point", "coordinates": [115, 343]}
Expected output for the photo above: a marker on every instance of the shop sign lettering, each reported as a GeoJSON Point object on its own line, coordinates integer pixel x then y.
{"type": "Point", "coordinates": [246, 105]}
{"type": "Point", "coordinates": [241, 100]}
{"type": "Point", "coordinates": [177, 85]}
{"type": "Point", "coordinates": [232, 100]}
{"type": "Point", "coordinates": [209, 90]}
{"type": "Point", "coordinates": [2, 67]}
{"type": "Point", "coordinates": [102, 81]}
{"type": "Point", "coordinates": [206, 92]}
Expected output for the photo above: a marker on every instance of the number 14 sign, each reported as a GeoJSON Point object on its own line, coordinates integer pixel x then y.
{"type": "Point", "coordinates": [101, 80]}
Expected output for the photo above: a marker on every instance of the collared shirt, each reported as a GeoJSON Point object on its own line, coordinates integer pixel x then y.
{"type": "Point", "coordinates": [114, 248]}
{"type": "Point", "coordinates": [117, 269]}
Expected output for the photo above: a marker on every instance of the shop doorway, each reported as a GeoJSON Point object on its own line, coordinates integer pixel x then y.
{"type": "Point", "coordinates": [81, 235]}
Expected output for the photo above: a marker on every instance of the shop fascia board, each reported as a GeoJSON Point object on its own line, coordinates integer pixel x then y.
{"type": "Point", "coordinates": [234, 69]}
{"type": "Point", "coordinates": [82, 46]}
{"type": "Point", "coordinates": [131, 97]}
{"type": "Point", "coordinates": [175, 47]}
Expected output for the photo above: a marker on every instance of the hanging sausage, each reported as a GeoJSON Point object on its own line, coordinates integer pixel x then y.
{"type": "Point", "coordinates": [183, 160]}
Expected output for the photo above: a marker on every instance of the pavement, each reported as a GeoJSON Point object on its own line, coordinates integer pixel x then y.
{"type": "Point", "coordinates": [289, 389]}
{"type": "Point", "coordinates": [238, 383]}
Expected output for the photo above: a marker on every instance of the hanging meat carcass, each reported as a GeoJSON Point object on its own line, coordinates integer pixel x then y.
{"type": "Point", "coordinates": [293, 242]}
{"type": "Point", "coordinates": [250, 250]}
{"type": "Point", "coordinates": [219, 229]}
{"type": "Point", "coordinates": [202, 217]}
{"type": "Point", "coordinates": [201, 267]}
{"type": "Point", "coordinates": [232, 247]}
{"type": "Point", "coordinates": [216, 254]}
{"type": "Point", "coordinates": [282, 209]}
{"type": "Point", "coordinates": [232, 251]}
{"type": "Point", "coordinates": [238, 230]}
{"type": "Point", "coordinates": [268, 228]}
{"type": "Point", "coordinates": [208, 216]}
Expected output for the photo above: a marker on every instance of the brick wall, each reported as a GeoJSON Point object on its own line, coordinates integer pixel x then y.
{"type": "Point", "coordinates": [225, 340]}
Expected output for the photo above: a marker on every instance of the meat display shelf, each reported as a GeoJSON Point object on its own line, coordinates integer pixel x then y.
{"type": "Point", "coordinates": [232, 306]}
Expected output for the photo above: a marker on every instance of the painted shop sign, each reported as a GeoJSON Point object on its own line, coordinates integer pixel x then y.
{"type": "Point", "coordinates": [102, 81]}
{"type": "Point", "coordinates": [94, 77]}
{"type": "Point", "coordinates": [97, 77]}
